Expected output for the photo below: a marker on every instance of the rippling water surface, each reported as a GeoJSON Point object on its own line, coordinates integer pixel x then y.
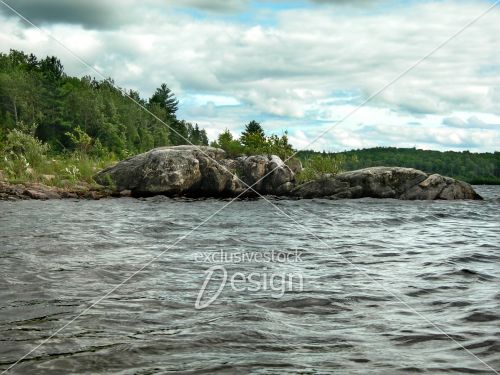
{"type": "Point", "coordinates": [388, 287]}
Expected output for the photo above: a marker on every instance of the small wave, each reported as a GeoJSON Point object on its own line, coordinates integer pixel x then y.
{"type": "Point", "coordinates": [423, 291]}
{"type": "Point", "coordinates": [306, 302]}
{"type": "Point", "coordinates": [488, 346]}
{"type": "Point", "coordinates": [416, 338]}
{"type": "Point", "coordinates": [476, 257]}
{"type": "Point", "coordinates": [481, 317]}
{"type": "Point", "coordinates": [466, 272]}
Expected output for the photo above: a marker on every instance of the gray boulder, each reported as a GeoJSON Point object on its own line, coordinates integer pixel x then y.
{"type": "Point", "coordinates": [386, 182]}
{"type": "Point", "coordinates": [251, 170]}
{"type": "Point", "coordinates": [180, 170]}
{"type": "Point", "coordinates": [197, 171]}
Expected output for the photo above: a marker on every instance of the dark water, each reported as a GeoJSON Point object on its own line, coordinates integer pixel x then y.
{"type": "Point", "coordinates": [388, 287]}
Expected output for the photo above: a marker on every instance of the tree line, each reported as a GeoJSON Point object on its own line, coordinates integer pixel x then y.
{"type": "Point", "coordinates": [60, 110]}
{"type": "Point", "coordinates": [475, 168]}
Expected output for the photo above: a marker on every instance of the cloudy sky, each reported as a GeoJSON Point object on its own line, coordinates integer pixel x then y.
{"type": "Point", "coordinates": [296, 65]}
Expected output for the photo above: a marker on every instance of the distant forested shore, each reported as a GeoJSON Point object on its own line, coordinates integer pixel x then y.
{"type": "Point", "coordinates": [474, 168]}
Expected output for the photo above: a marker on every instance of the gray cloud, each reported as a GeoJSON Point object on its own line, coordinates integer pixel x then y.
{"type": "Point", "coordinates": [239, 5]}
{"type": "Point", "coordinates": [471, 123]}
{"type": "Point", "coordinates": [89, 13]}
{"type": "Point", "coordinates": [346, 2]}
{"type": "Point", "coordinates": [454, 122]}
{"type": "Point", "coordinates": [212, 5]}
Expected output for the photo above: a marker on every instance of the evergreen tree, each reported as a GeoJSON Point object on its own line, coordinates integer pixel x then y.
{"type": "Point", "coordinates": [203, 137]}
{"type": "Point", "coordinates": [52, 68]}
{"type": "Point", "coordinates": [179, 132]}
{"type": "Point", "coordinates": [253, 136]}
{"type": "Point", "coordinates": [165, 98]}
{"type": "Point", "coordinates": [253, 127]}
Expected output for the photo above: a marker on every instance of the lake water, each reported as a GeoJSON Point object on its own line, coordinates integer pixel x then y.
{"type": "Point", "coordinates": [370, 286]}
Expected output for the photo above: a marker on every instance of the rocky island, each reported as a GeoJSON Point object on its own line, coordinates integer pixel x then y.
{"type": "Point", "coordinates": [202, 171]}
{"type": "Point", "coordinates": [207, 172]}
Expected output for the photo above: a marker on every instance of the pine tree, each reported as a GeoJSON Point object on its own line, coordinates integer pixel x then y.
{"type": "Point", "coordinates": [253, 127]}
{"type": "Point", "coordinates": [253, 137]}
{"type": "Point", "coordinates": [165, 98]}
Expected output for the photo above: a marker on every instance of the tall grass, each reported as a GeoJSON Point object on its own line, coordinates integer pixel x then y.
{"type": "Point", "coordinates": [320, 166]}
{"type": "Point", "coordinates": [25, 159]}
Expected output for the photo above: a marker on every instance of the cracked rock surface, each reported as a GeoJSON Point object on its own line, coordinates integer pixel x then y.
{"type": "Point", "coordinates": [198, 171]}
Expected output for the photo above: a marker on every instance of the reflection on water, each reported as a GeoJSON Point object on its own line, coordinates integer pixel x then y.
{"type": "Point", "coordinates": [440, 258]}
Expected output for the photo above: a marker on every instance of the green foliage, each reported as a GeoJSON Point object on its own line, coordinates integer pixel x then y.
{"type": "Point", "coordinates": [73, 168]}
{"type": "Point", "coordinates": [165, 99]}
{"type": "Point", "coordinates": [24, 158]}
{"type": "Point", "coordinates": [226, 141]}
{"type": "Point", "coordinates": [26, 128]}
{"type": "Point", "coordinates": [279, 146]}
{"type": "Point", "coordinates": [475, 168]}
{"type": "Point", "coordinates": [196, 135]}
{"type": "Point", "coordinates": [254, 142]}
{"type": "Point", "coordinates": [23, 147]}
{"type": "Point", "coordinates": [81, 140]}
{"type": "Point", "coordinates": [178, 133]}
{"type": "Point", "coordinates": [319, 166]}
{"type": "Point", "coordinates": [253, 136]}
{"type": "Point", "coordinates": [21, 154]}
{"type": "Point", "coordinates": [253, 127]}
{"type": "Point", "coordinates": [63, 110]}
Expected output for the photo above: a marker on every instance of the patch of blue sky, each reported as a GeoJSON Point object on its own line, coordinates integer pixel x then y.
{"type": "Point", "coordinates": [339, 97]}
{"type": "Point", "coordinates": [266, 13]}
{"type": "Point", "coordinates": [263, 13]}
{"type": "Point", "coordinates": [217, 100]}
{"type": "Point", "coordinates": [489, 70]}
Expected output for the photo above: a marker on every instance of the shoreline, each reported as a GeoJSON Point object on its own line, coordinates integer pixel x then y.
{"type": "Point", "coordinates": [38, 191]}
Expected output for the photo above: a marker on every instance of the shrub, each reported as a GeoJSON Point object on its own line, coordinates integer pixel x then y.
{"type": "Point", "coordinates": [19, 145]}
{"type": "Point", "coordinates": [320, 166]}
{"type": "Point", "coordinates": [24, 158]}
{"type": "Point", "coordinates": [226, 141]}
{"type": "Point", "coordinates": [22, 155]}
{"type": "Point", "coordinates": [254, 144]}
{"type": "Point", "coordinates": [279, 146]}
{"type": "Point", "coordinates": [82, 142]}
